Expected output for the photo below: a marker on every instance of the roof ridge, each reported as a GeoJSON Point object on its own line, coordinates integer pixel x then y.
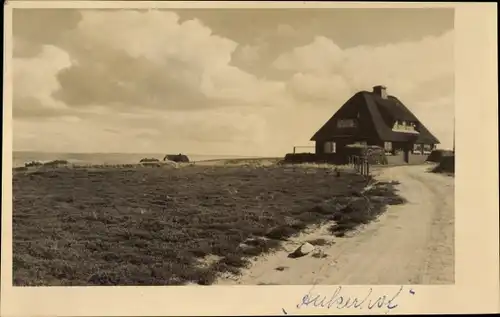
{"type": "Point", "coordinates": [374, 113]}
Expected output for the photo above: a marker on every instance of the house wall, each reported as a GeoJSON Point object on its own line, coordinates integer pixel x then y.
{"type": "Point", "coordinates": [340, 143]}
{"type": "Point", "coordinates": [398, 159]}
{"type": "Point", "coordinates": [338, 158]}
{"type": "Point", "coordinates": [418, 158]}
{"type": "Point", "coordinates": [319, 147]}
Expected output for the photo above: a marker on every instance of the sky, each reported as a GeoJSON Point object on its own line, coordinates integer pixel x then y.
{"type": "Point", "coordinates": [219, 81]}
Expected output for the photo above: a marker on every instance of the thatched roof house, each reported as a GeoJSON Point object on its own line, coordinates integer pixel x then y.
{"type": "Point", "coordinates": [374, 118]}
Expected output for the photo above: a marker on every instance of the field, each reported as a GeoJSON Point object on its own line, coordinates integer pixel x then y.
{"type": "Point", "coordinates": [172, 226]}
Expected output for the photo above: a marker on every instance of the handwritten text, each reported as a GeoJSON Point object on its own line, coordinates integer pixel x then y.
{"type": "Point", "coordinates": [337, 300]}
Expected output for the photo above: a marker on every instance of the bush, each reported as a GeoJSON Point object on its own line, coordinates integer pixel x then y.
{"type": "Point", "coordinates": [148, 160]}
{"type": "Point", "coordinates": [446, 165]}
{"type": "Point", "coordinates": [282, 232]}
{"type": "Point", "coordinates": [437, 155]}
{"type": "Point", "coordinates": [56, 163]}
{"type": "Point", "coordinates": [33, 163]}
{"type": "Point", "coordinates": [374, 154]}
{"type": "Point", "coordinates": [179, 158]}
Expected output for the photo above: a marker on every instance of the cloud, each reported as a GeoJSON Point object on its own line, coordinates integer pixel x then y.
{"type": "Point", "coordinates": [319, 87]}
{"type": "Point", "coordinates": [157, 36]}
{"type": "Point", "coordinates": [132, 59]}
{"type": "Point", "coordinates": [320, 56]}
{"type": "Point", "coordinates": [32, 32]}
{"type": "Point", "coordinates": [146, 81]}
{"type": "Point", "coordinates": [420, 73]}
{"type": "Point", "coordinates": [248, 54]}
{"type": "Point", "coordinates": [285, 30]}
{"type": "Point", "coordinates": [401, 66]}
{"type": "Point", "coordinates": [203, 132]}
{"type": "Point", "coordinates": [34, 81]}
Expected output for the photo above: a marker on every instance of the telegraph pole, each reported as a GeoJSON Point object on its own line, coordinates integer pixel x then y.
{"type": "Point", "coordinates": [453, 134]}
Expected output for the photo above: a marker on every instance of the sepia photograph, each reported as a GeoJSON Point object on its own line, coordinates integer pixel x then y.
{"type": "Point", "coordinates": [206, 146]}
{"type": "Point", "coordinates": [174, 158]}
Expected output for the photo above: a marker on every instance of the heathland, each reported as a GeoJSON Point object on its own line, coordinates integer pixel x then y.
{"type": "Point", "coordinates": [168, 225]}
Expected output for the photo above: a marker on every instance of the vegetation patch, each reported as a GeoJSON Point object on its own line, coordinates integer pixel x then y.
{"type": "Point", "coordinates": [144, 226]}
{"type": "Point", "coordinates": [351, 212]}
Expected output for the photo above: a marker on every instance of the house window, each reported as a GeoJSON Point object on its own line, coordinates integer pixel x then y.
{"type": "Point", "coordinates": [330, 147]}
{"type": "Point", "coordinates": [417, 148]}
{"type": "Point", "coordinates": [404, 126]}
{"type": "Point", "coordinates": [428, 148]}
{"type": "Point", "coordinates": [346, 123]}
{"type": "Point", "coordinates": [388, 148]}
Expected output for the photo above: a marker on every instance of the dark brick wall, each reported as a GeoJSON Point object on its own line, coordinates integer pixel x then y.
{"type": "Point", "coordinates": [331, 158]}
{"type": "Point", "coordinates": [398, 159]}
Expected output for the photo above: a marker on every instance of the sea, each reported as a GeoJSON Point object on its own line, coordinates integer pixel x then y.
{"type": "Point", "coordinates": [21, 157]}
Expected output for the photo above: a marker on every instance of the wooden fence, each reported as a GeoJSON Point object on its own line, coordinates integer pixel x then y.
{"type": "Point", "coordinates": [360, 164]}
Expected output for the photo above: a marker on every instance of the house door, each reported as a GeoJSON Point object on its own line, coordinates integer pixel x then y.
{"type": "Point", "coordinates": [406, 153]}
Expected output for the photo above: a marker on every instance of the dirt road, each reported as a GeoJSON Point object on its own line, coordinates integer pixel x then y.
{"type": "Point", "coordinates": [409, 244]}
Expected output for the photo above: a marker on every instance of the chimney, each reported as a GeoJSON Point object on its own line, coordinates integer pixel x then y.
{"type": "Point", "coordinates": [380, 91]}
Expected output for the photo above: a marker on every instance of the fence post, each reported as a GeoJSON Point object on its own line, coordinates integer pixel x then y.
{"type": "Point", "coordinates": [367, 168]}
{"type": "Point", "coordinates": [294, 150]}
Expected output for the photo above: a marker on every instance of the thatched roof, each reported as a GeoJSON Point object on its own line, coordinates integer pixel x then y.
{"type": "Point", "coordinates": [384, 113]}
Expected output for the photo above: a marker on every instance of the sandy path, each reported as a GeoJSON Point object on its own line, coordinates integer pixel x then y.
{"type": "Point", "coordinates": [409, 244]}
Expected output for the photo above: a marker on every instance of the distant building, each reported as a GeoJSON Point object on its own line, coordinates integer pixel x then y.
{"type": "Point", "coordinates": [375, 118]}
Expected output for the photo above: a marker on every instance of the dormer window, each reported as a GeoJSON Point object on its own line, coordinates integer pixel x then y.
{"type": "Point", "coordinates": [404, 126]}
{"type": "Point", "coordinates": [346, 123]}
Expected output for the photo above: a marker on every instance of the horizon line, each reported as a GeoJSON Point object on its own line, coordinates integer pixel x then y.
{"type": "Point", "coordinates": [168, 153]}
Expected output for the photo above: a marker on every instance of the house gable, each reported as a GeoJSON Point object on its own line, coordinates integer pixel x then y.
{"type": "Point", "coordinates": [352, 119]}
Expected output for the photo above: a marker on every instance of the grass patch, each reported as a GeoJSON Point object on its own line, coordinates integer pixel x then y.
{"type": "Point", "coordinates": [358, 210]}
{"type": "Point", "coordinates": [319, 255]}
{"type": "Point", "coordinates": [144, 226]}
{"type": "Point", "coordinates": [319, 242]}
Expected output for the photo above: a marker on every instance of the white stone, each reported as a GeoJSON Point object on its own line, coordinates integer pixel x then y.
{"type": "Point", "coordinates": [304, 249]}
